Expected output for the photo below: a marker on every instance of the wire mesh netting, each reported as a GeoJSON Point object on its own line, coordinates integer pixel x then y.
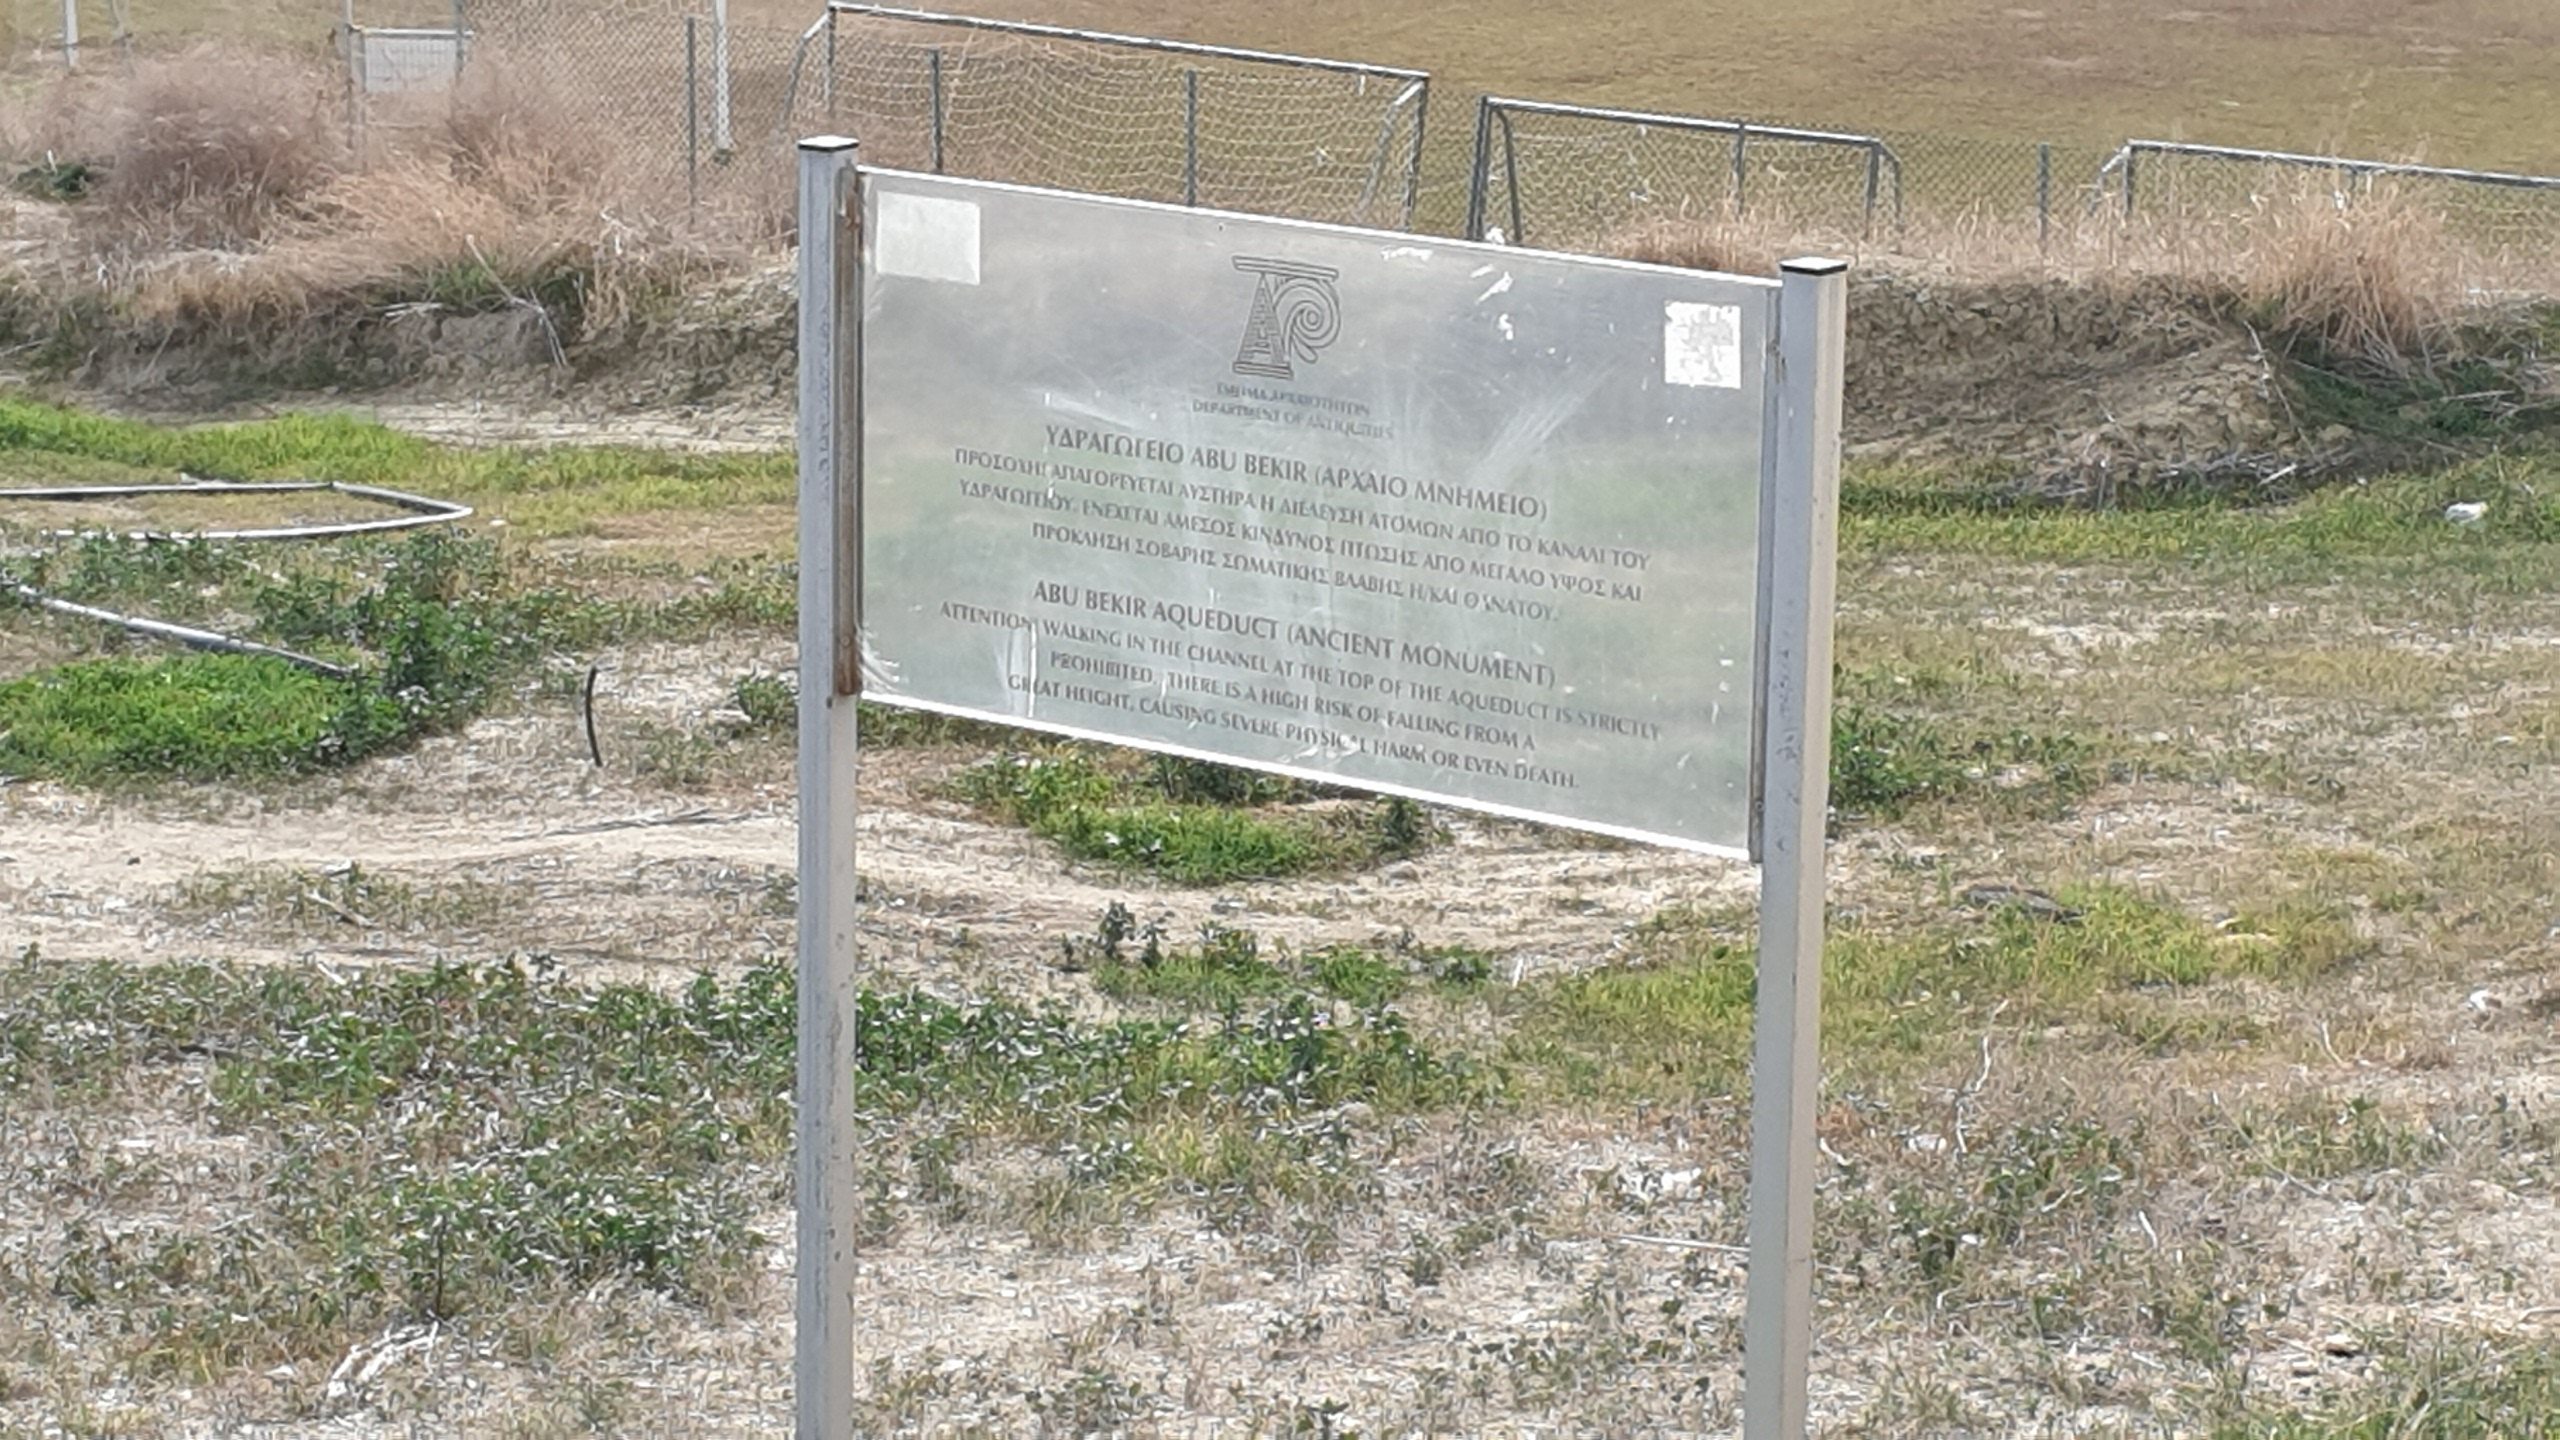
{"type": "Point", "coordinates": [1555, 176]}
{"type": "Point", "coordinates": [607, 67]}
{"type": "Point", "coordinates": [716, 109]}
{"type": "Point", "coordinates": [700, 112]}
{"type": "Point", "coordinates": [1222, 128]}
{"type": "Point", "coordinates": [1563, 176]}
{"type": "Point", "coordinates": [2204, 188]}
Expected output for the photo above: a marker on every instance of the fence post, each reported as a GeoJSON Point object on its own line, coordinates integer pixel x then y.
{"type": "Point", "coordinates": [355, 93]}
{"type": "Point", "coordinates": [2044, 194]}
{"type": "Point", "coordinates": [1511, 180]}
{"type": "Point", "coordinates": [826, 1177]}
{"type": "Point", "coordinates": [1413, 162]}
{"type": "Point", "coordinates": [459, 43]}
{"type": "Point", "coordinates": [722, 138]}
{"type": "Point", "coordinates": [831, 67]}
{"type": "Point", "coordinates": [692, 117]}
{"type": "Point", "coordinates": [1741, 136]}
{"type": "Point", "coordinates": [1483, 167]}
{"type": "Point", "coordinates": [1190, 137]}
{"type": "Point", "coordinates": [1875, 184]}
{"type": "Point", "coordinates": [933, 101]}
{"type": "Point", "coordinates": [2132, 157]}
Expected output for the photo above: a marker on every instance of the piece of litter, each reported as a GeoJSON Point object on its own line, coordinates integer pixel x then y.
{"type": "Point", "coordinates": [2466, 512]}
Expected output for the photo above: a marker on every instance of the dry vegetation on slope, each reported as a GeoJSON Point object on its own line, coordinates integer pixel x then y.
{"type": "Point", "coordinates": [194, 229]}
{"type": "Point", "coordinates": [209, 200]}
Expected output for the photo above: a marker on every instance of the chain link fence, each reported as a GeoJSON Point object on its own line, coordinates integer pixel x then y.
{"type": "Point", "coordinates": [1585, 174]}
{"type": "Point", "coordinates": [637, 70]}
{"type": "Point", "coordinates": [705, 113]}
{"type": "Point", "coordinates": [716, 108]}
{"type": "Point", "coordinates": [2208, 185]}
{"type": "Point", "coordinates": [388, 66]}
{"type": "Point", "coordinates": [1575, 177]}
{"type": "Point", "coordinates": [1117, 114]}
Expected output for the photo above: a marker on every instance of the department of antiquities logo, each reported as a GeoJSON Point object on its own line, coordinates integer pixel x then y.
{"type": "Point", "coordinates": [1295, 315]}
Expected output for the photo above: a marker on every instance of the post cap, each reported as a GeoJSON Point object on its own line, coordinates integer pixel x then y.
{"type": "Point", "coordinates": [1812, 265]}
{"type": "Point", "coordinates": [828, 144]}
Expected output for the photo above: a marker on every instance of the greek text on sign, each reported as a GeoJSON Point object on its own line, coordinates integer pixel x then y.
{"type": "Point", "coordinates": [1447, 520]}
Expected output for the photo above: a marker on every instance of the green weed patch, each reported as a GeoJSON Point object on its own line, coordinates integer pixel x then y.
{"type": "Point", "coordinates": [1680, 1023]}
{"type": "Point", "coordinates": [1227, 967]}
{"type": "Point", "coordinates": [419, 621]}
{"type": "Point", "coordinates": [1884, 763]}
{"type": "Point", "coordinates": [1133, 820]}
{"type": "Point", "coordinates": [198, 717]}
{"type": "Point", "coordinates": [542, 491]}
{"type": "Point", "coordinates": [1888, 509]}
{"type": "Point", "coordinates": [2446, 1393]}
{"type": "Point", "coordinates": [450, 1139]}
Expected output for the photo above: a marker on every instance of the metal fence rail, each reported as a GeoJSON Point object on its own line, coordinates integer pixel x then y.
{"type": "Point", "coordinates": [2164, 181]}
{"type": "Point", "coordinates": [1117, 114]}
{"type": "Point", "coordinates": [1599, 170]}
{"type": "Point", "coordinates": [704, 113]}
{"type": "Point", "coordinates": [2122, 167]}
{"type": "Point", "coordinates": [1577, 176]}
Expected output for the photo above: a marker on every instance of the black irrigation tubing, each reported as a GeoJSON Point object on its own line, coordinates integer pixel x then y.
{"type": "Point", "coordinates": [423, 511]}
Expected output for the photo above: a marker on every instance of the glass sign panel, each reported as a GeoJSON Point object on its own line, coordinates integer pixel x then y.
{"type": "Point", "coordinates": [1471, 524]}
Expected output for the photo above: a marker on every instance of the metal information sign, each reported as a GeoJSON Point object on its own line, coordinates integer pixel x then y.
{"type": "Point", "coordinates": [1470, 525]}
{"type": "Point", "coordinates": [1538, 535]}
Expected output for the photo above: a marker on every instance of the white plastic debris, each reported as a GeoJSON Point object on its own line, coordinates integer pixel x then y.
{"type": "Point", "coordinates": [2467, 512]}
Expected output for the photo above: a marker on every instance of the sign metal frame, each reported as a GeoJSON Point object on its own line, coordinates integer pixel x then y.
{"type": "Point", "coordinates": [1790, 755]}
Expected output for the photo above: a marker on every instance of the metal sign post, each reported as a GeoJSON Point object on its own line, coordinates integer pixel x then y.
{"type": "Point", "coordinates": [1803, 506]}
{"type": "Point", "coordinates": [1542, 536]}
{"type": "Point", "coordinates": [829, 1196]}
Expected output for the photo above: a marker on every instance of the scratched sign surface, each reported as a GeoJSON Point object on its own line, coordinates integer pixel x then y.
{"type": "Point", "coordinates": [1470, 524]}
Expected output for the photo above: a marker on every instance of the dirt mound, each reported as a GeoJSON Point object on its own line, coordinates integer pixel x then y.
{"type": "Point", "coordinates": [2056, 375]}
{"type": "Point", "coordinates": [2059, 379]}
{"type": "Point", "coordinates": [732, 344]}
{"type": "Point", "coordinates": [2043, 374]}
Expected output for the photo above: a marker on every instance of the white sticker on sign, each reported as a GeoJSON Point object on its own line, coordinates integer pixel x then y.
{"type": "Point", "coordinates": [1702, 345]}
{"type": "Point", "coordinates": [925, 237]}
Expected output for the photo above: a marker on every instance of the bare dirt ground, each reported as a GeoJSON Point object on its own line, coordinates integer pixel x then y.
{"type": "Point", "coordinates": [665, 881]}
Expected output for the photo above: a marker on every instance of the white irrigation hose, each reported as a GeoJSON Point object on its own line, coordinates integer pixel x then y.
{"type": "Point", "coordinates": [424, 512]}
{"type": "Point", "coordinates": [193, 639]}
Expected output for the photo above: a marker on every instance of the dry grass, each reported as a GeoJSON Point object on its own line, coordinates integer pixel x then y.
{"type": "Point", "coordinates": [2377, 277]}
{"type": "Point", "coordinates": [211, 149]}
{"type": "Point", "coordinates": [231, 209]}
{"type": "Point", "coordinates": [230, 206]}
{"type": "Point", "coordinates": [2379, 280]}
